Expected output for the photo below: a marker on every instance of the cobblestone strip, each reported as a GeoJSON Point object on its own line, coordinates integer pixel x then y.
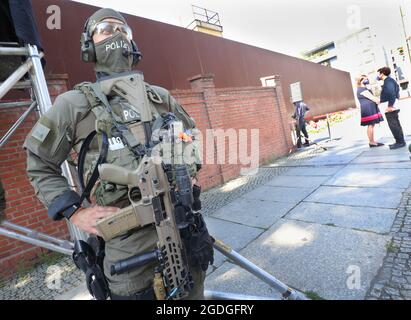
{"type": "Point", "coordinates": [393, 280]}
{"type": "Point", "coordinates": [45, 282]}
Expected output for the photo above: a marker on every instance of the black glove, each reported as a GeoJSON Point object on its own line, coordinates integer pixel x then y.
{"type": "Point", "coordinates": [200, 244]}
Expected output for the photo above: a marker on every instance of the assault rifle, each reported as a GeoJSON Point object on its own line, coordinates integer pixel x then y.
{"type": "Point", "coordinates": [159, 193]}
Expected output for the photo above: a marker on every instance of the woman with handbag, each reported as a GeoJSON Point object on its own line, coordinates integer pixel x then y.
{"type": "Point", "coordinates": [370, 113]}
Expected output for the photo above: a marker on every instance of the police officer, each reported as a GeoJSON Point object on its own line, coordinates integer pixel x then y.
{"type": "Point", "coordinates": [107, 41]}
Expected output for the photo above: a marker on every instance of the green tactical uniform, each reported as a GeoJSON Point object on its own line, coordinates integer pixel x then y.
{"type": "Point", "coordinates": [2, 202]}
{"type": "Point", "coordinates": [63, 128]}
{"type": "Point", "coordinates": [74, 115]}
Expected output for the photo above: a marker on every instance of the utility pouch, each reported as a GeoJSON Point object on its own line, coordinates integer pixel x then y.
{"type": "Point", "coordinates": [199, 244]}
{"type": "Point", "coordinates": [86, 259]}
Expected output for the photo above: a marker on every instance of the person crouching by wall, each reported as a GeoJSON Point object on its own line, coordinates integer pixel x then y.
{"type": "Point", "coordinates": [301, 109]}
{"type": "Point", "coordinates": [370, 113]}
{"type": "Point", "coordinates": [390, 93]}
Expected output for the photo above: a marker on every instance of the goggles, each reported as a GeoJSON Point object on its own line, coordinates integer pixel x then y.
{"type": "Point", "coordinates": [108, 28]}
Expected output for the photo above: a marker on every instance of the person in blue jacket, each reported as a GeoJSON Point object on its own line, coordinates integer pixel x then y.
{"type": "Point", "coordinates": [390, 93]}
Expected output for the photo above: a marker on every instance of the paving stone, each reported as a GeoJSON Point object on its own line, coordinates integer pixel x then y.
{"type": "Point", "coordinates": [292, 181]}
{"type": "Point", "coordinates": [233, 279]}
{"type": "Point", "coordinates": [406, 293]}
{"type": "Point", "coordinates": [371, 219]}
{"type": "Point", "coordinates": [382, 178]}
{"type": "Point", "coordinates": [385, 158]}
{"type": "Point", "coordinates": [290, 245]}
{"type": "Point", "coordinates": [392, 291]}
{"type": "Point", "coordinates": [313, 171]}
{"type": "Point", "coordinates": [233, 234]}
{"type": "Point", "coordinates": [254, 212]}
{"type": "Point", "coordinates": [333, 158]}
{"type": "Point", "coordinates": [396, 273]}
{"type": "Point", "coordinates": [403, 255]}
{"type": "Point", "coordinates": [370, 197]}
{"type": "Point", "coordinates": [279, 194]}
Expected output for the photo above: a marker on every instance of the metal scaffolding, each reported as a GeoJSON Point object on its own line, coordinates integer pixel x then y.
{"type": "Point", "coordinates": [39, 100]}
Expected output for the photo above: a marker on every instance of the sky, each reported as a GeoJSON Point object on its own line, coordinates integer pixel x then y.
{"type": "Point", "coordinates": [286, 26]}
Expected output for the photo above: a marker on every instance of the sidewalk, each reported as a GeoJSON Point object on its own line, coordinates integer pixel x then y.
{"type": "Point", "coordinates": [325, 225]}
{"type": "Point", "coordinates": [318, 222]}
{"type": "Point", "coordinates": [324, 222]}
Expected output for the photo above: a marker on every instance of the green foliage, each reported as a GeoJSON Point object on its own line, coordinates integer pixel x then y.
{"type": "Point", "coordinates": [313, 295]}
{"type": "Point", "coordinates": [334, 118]}
{"type": "Point", "coordinates": [391, 247]}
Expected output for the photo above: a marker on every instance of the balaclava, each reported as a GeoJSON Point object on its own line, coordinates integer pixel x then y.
{"type": "Point", "coordinates": [111, 53]}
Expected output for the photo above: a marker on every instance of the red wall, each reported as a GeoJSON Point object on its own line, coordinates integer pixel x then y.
{"type": "Point", "coordinates": [172, 54]}
{"type": "Point", "coordinates": [237, 108]}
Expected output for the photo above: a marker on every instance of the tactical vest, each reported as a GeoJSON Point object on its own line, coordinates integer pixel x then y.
{"type": "Point", "coordinates": [119, 153]}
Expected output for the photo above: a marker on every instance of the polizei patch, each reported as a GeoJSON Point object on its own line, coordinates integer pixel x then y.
{"type": "Point", "coordinates": [117, 45]}
{"type": "Point", "coordinates": [128, 113]}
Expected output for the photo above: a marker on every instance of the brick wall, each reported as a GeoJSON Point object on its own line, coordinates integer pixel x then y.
{"type": "Point", "coordinates": [229, 108]}
{"type": "Point", "coordinates": [248, 108]}
{"type": "Point", "coordinates": [23, 208]}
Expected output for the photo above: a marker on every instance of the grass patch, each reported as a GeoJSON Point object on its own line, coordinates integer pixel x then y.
{"type": "Point", "coordinates": [319, 126]}
{"type": "Point", "coordinates": [50, 258]}
{"type": "Point", "coordinates": [45, 257]}
{"type": "Point", "coordinates": [313, 295]}
{"type": "Point", "coordinates": [271, 159]}
{"type": "Point", "coordinates": [391, 247]}
{"type": "Point", "coordinates": [2, 282]}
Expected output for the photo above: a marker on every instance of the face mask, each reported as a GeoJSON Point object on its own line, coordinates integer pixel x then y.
{"type": "Point", "coordinates": [111, 57]}
{"type": "Point", "coordinates": [379, 78]}
{"type": "Point", "coordinates": [366, 81]}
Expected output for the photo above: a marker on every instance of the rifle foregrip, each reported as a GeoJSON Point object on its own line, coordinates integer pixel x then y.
{"type": "Point", "coordinates": [133, 262]}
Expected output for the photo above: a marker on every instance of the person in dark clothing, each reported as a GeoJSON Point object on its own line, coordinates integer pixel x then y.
{"type": "Point", "coordinates": [370, 113]}
{"type": "Point", "coordinates": [299, 115]}
{"type": "Point", "coordinates": [390, 93]}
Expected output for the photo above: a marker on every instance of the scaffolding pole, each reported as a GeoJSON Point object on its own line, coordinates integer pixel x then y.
{"type": "Point", "coordinates": [15, 126]}
{"type": "Point", "coordinates": [41, 100]}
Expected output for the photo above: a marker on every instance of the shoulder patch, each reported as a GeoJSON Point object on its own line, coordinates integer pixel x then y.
{"type": "Point", "coordinates": [40, 132]}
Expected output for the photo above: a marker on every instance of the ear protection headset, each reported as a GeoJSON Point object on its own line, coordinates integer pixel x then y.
{"type": "Point", "coordinates": [88, 50]}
